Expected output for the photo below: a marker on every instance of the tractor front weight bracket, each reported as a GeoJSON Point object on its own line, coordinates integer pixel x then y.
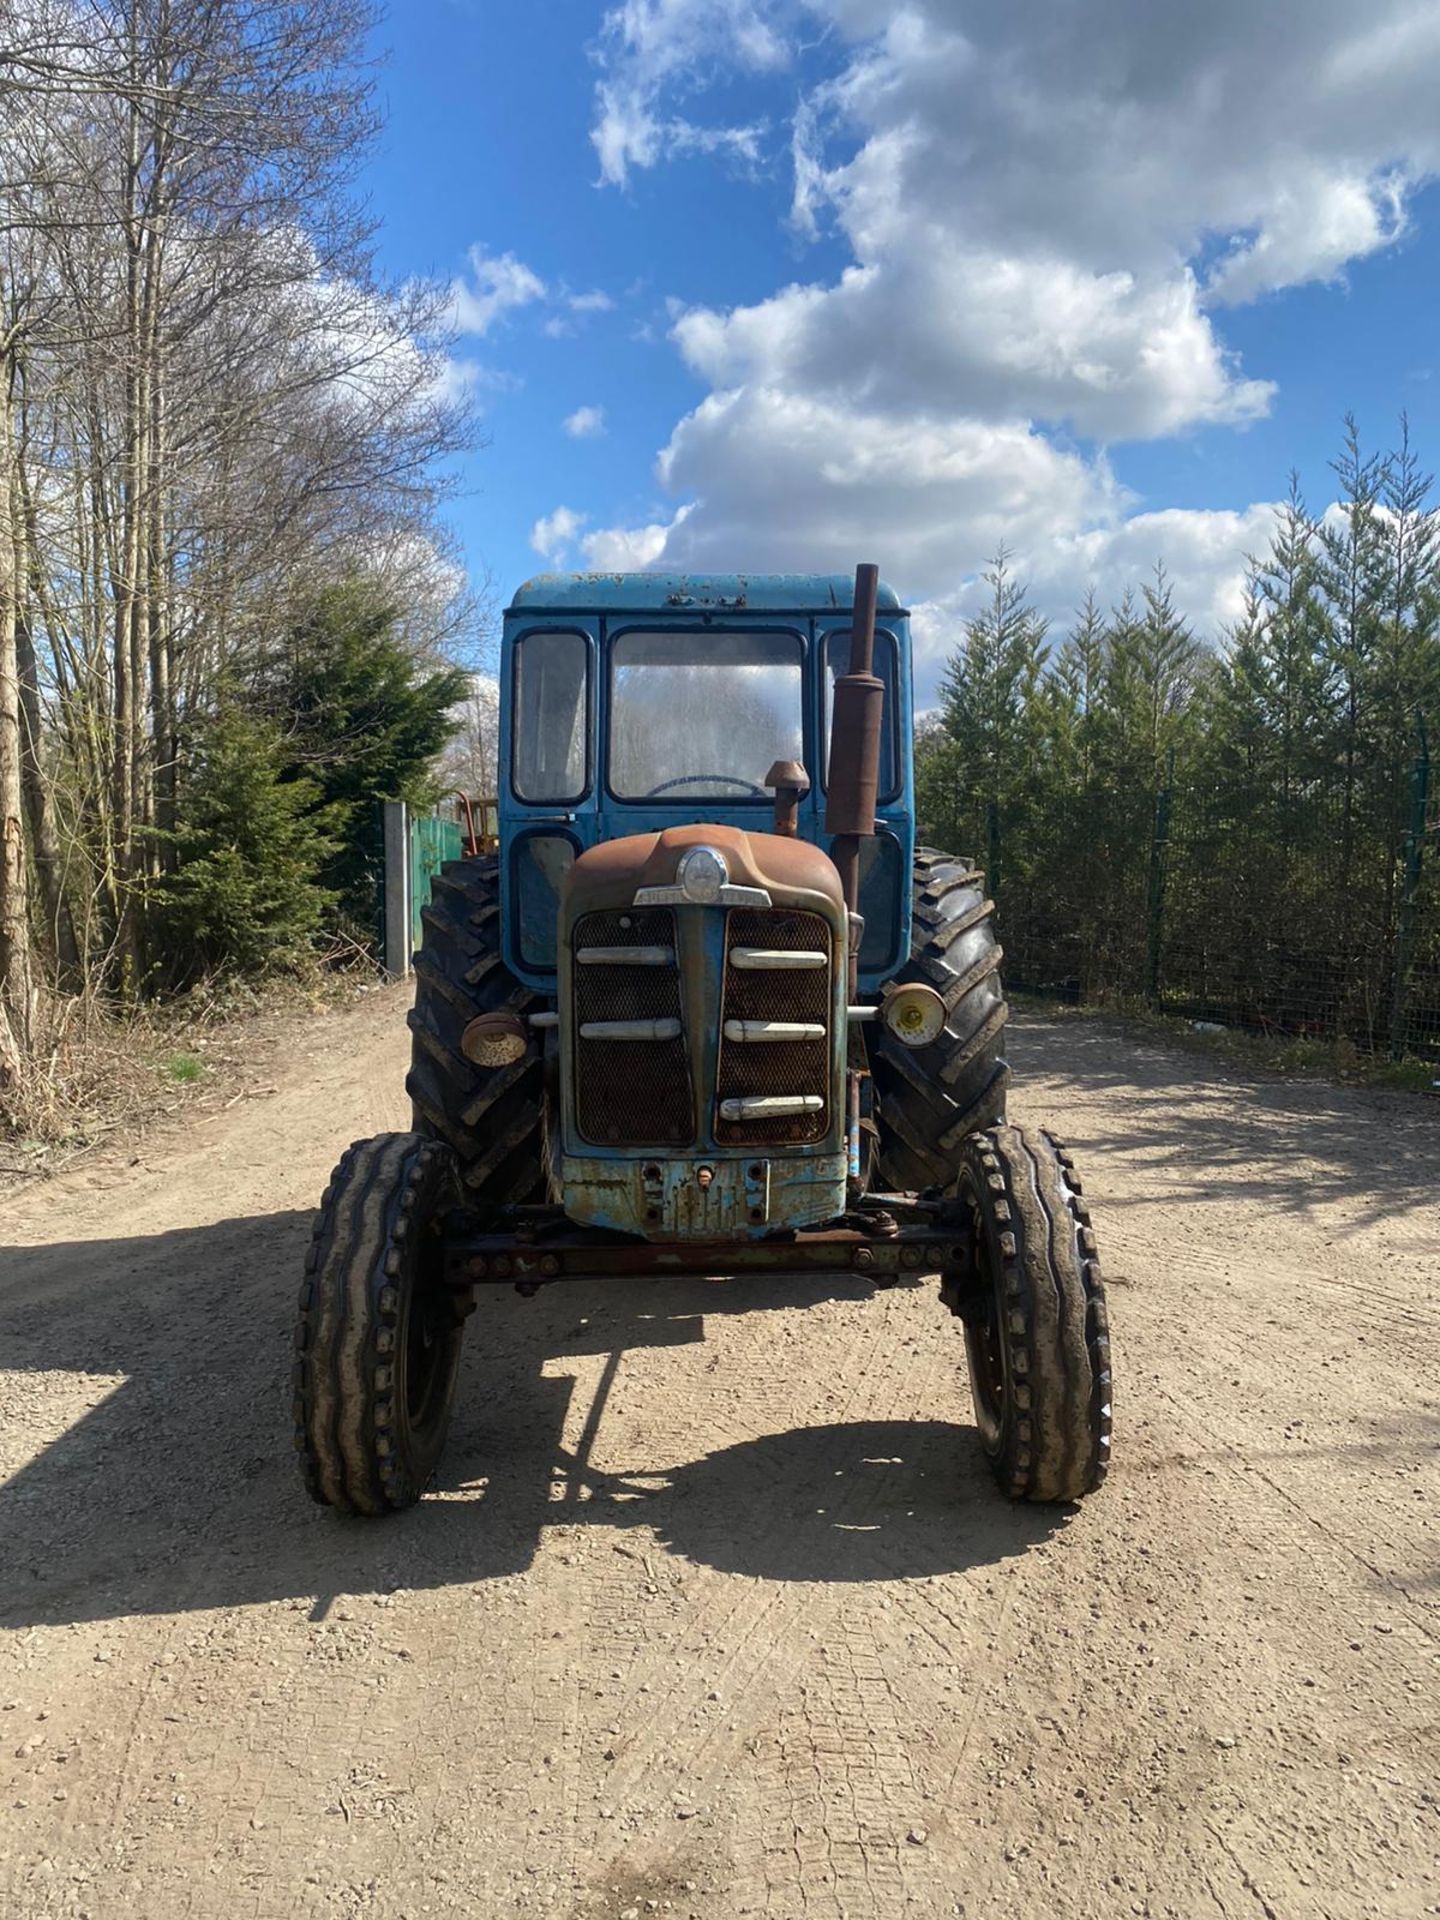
{"type": "Point", "coordinates": [544, 1246]}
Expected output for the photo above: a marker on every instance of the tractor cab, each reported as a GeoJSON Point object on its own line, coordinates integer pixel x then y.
{"type": "Point", "coordinates": [634, 703]}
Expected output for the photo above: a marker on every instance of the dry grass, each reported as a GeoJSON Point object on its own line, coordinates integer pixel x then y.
{"type": "Point", "coordinates": [100, 1073]}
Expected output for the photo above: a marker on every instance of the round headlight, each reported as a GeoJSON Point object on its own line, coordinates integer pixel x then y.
{"type": "Point", "coordinates": [702, 873]}
{"type": "Point", "coordinates": [915, 1014]}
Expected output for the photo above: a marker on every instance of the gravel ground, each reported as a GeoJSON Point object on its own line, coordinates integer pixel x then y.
{"type": "Point", "coordinates": [715, 1611]}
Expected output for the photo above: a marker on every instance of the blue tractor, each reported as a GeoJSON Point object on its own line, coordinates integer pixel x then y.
{"type": "Point", "coordinates": [709, 1010]}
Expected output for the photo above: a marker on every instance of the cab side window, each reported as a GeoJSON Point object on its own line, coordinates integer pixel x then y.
{"type": "Point", "coordinates": [552, 717]}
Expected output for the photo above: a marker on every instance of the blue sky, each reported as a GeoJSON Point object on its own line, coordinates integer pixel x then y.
{"type": "Point", "coordinates": [894, 283]}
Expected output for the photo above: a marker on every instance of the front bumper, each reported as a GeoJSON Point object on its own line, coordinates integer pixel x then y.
{"type": "Point", "coordinates": [704, 1197]}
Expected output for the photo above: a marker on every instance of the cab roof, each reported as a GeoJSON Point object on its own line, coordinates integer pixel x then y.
{"type": "Point", "coordinates": [729, 592]}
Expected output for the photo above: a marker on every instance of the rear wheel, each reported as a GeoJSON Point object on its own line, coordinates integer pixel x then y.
{"type": "Point", "coordinates": [491, 1118]}
{"type": "Point", "coordinates": [378, 1336]}
{"type": "Point", "coordinates": [1036, 1330]}
{"type": "Point", "coordinates": [932, 1097]}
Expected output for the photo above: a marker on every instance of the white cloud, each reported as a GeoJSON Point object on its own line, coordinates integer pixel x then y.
{"type": "Point", "coordinates": [990, 337]}
{"type": "Point", "coordinates": [1205, 555]}
{"type": "Point", "coordinates": [576, 310]}
{"type": "Point", "coordinates": [784, 481]}
{"type": "Point", "coordinates": [1313, 230]}
{"type": "Point", "coordinates": [496, 285]}
{"type": "Point", "coordinates": [630, 549]}
{"type": "Point", "coordinates": [1047, 214]}
{"type": "Point", "coordinates": [554, 533]}
{"type": "Point", "coordinates": [586, 423]}
{"type": "Point", "coordinates": [457, 379]}
{"type": "Point", "coordinates": [649, 47]}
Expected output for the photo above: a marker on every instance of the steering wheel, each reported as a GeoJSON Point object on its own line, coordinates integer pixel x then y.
{"type": "Point", "coordinates": [705, 779]}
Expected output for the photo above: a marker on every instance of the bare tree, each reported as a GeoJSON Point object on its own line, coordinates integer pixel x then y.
{"type": "Point", "coordinates": [209, 398]}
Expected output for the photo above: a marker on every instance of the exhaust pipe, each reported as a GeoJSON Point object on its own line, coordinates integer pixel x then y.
{"type": "Point", "coordinates": [853, 783]}
{"type": "Point", "coordinates": [854, 774]}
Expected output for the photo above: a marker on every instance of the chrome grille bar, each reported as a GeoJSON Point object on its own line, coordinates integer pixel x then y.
{"type": "Point", "coordinates": [776, 1030]}
{"type": "Point", "coordinates": [778, 959]}
{"type": "Point", "coordinates": [630, 1030]}
{"type": "Point", "coordinates": [625, 956]}
{"type": "Point", "coordinates": [770, 1106]}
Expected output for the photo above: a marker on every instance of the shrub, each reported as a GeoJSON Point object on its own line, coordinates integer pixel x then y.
{"type": "Point", "coordinates": [244, 897]}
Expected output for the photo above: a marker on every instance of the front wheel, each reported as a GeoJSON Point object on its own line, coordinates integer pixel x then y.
{"type": "Point", "coordinates": [1029, 1293]}
{"type": "Point", "coordinates": [378, 1337]}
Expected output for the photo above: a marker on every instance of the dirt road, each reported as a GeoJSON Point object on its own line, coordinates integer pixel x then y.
{"type": "Point", "coordinates": [716, 1612]}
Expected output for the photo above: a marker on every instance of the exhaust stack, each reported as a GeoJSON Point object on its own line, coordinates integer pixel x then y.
{"type": "Point", "coordinates": [854, 775]}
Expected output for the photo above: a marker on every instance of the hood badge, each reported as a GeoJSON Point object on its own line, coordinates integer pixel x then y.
{"type": "Point", "coordinates": [702, 879]}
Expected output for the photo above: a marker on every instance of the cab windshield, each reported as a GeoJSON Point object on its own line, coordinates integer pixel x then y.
{"type": "Point", "coordinates": [703, 716]}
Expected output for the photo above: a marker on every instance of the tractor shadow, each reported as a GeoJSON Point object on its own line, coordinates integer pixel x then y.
{"type": "Point", "coordinates": [149, 1405]}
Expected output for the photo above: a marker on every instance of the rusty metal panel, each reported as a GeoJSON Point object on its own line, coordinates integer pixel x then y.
{"type": "Point", "coordinates": [611, 874]}
{"type": "Point", "coordinates": [929, 1248]}
{"type": "Point", "coordinates": [701, 1197]}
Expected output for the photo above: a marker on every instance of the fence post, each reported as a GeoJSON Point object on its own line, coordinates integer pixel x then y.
{"type": "Point", "coordinates": [1159, 844]}
{"type": "Point", "coordinates": [1410, 893]}
{"type": "Point", "coordinates": [397, 888]}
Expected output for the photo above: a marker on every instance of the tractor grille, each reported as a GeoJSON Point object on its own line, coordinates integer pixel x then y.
{"type": "Point", "coordinates": [633, 1093]}
{"type": "Point", "coordinates": [776, 1067]}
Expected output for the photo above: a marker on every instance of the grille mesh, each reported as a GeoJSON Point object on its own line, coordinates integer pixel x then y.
{"type": "Point", "coordinates": [634, 1093]}
{"type": "Point", "coordinates": [775, 1067]}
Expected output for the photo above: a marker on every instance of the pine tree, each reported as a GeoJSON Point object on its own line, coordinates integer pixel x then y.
{"type": "Point", "coordinates": [1078, 670]}
{"type": "Point", "coordinates": [1274, 715]}
{"type": "Point", "coordinates": [363, 718]}
{"type": "Point", "coordinates": [989, 707]}
{"type": "Point", "coordinates": [1352, 579]}
{"type": "Point", "coordinates": [1164, 664]}
{"type": "Point", "coordinates": [1406, 664]}
{"type": "Point", "coordinates": [243, 897]}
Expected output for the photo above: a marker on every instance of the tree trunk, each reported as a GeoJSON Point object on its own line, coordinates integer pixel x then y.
{"type": "Point", "coordinates": [57, 924]}
{"type": "Point", "coordinates": [16, 983]}
{"type": "Point", "coordinates": [59, 928]}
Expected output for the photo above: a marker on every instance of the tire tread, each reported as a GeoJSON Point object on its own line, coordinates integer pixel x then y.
{"type": "Point", "coordinates": [932, 1097]}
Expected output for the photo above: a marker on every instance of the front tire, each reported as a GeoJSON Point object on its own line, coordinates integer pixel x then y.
{"type": "Point", "coordinates": [1036, 1330]}
{"type": "Point", "coordinates": [378, 1336]}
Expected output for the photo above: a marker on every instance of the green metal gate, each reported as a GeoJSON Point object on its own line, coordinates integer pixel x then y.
{"type": "Point", "coordinates": [432, 843]}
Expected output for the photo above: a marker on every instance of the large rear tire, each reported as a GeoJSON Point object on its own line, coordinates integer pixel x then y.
{"type": "Point", "coordinates": [491, 1118]}
{"type": "Point", "coordinates": [378, 1336]}
{"type": "Point", "coordinates": [1036, 1330]}
{"type": "Point", "coordinates": [932, 1097]}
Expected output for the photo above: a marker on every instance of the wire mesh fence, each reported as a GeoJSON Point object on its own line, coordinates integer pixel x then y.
{"type": "Point", "coordinates": [1282, 910]}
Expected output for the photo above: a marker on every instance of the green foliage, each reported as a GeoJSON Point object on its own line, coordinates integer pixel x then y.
{"type": "Point", "coordinates": [1236, 825]}
{"type": "Point", "coordinates": [280, 790]}
{"type": "Point", "coordinates": [993, 718]}
{"type": "Point", "coordinates": [243, 897]}
{"type": "Point", "coordinates": [363, 721]}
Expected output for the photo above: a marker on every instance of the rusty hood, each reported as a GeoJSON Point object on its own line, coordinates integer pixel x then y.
{"type": "Point", "coordinates": [610, 874]}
